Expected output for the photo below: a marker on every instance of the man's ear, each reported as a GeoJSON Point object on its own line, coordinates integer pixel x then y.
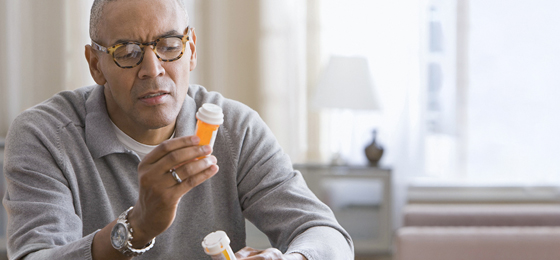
{"type": "Point", "coordinates": [192, 45]}
{"type": "Point", "coordinates": [94, 65]}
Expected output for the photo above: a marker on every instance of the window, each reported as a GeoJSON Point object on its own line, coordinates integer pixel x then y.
{"type": "Point", "coordinates": [513, 91]}
{"type": "Point", "coordinates": [469, 88]}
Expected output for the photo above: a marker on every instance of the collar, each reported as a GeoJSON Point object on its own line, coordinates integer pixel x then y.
{"type": "Point", "coordinates": [102, 140]}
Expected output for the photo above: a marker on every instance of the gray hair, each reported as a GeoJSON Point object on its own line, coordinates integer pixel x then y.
{"type": "Point", "coordinates": [97, 10]}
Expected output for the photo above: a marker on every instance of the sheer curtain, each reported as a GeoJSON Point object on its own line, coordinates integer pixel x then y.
{"type": "Point", "coordinates": [387, 33]}
{"type": "Point", "coordinates": [43, 45]}
{"type": "Point", "coordinates": [513, 93]}
{"type": "Point", "coordinates": [504, 130]}
{"type": "Point", "coordinates": [253, 51]}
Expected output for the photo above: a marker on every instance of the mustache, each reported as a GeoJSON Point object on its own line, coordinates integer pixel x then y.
{"type": "Point", "coordinates": [141, 88]}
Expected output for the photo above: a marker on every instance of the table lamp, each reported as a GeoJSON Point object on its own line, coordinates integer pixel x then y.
{"type": "Point", "coordinates": [346, 84]}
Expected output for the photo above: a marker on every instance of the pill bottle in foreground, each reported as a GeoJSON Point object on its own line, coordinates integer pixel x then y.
{"type": "Point", "coordinates": [210, 117]}
{"type": "Point", "coordinates": [216, 245]}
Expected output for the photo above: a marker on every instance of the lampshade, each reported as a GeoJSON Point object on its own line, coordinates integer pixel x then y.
{"type": "Point", "coordinates": [346, 82]}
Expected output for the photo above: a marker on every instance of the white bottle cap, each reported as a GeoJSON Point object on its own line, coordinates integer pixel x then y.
{"type": "Point", "coordinates": [210, 114]}
{"type": "Point", "coordinates": [215, 242]}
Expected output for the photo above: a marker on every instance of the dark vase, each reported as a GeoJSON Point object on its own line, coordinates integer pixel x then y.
{"type": "Point", "coordinates": [374, 151]}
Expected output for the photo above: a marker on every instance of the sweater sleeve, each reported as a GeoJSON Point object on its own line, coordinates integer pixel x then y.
{"type": "Point", "coordinates": [312, 248]}
{"type": "Point", "coordinates": [276, 199]}
{"type": "Point", "coordinates": [42, 220]}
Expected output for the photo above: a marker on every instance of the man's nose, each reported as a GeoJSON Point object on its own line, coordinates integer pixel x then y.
{"type": "Point", "coordinates": [151, 66]}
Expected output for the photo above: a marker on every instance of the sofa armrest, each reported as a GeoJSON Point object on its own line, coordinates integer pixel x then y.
{"type": "Point", "coordinates": [480, 243]}
{"type": "Point", "coordinates": [482, 215]}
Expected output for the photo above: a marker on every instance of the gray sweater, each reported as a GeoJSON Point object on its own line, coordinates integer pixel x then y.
{"type": "Point", "coordinates": [68, 176]}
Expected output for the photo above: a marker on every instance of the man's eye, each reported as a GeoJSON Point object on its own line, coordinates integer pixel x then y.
{"type": "Point", "coordinates": [128, 52]}
{"type": "Point", "coordinates": [129, 55]}
{"type": "Point", "coordinates": [169, 48]}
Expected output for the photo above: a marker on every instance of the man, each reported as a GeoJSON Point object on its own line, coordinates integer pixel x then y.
{"type": "Point", "coordinates": [76, 163]}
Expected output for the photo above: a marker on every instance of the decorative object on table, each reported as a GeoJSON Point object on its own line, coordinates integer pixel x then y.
{"type": "Point", "coordinates": [374, 151]}
{"type": "Point", "coordinates": [344, 85]}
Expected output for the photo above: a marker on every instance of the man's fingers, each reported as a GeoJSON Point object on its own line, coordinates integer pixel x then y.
{"type": "Point", "coordinates": [170, 145]}
{"type": "Point", "coordinates": [246, 251]}
{"type": "Point", "coordinates": [197, 166]}
{"type": "Point", "coordinates": [196, 179]}
{"type": "Point", "coordinates": [180, 157]}
{"type": "Point", "coordinates": [187, 171]}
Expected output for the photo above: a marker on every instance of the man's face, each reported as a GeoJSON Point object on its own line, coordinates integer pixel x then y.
{"type": "Point", "coordinates": [150, 95]}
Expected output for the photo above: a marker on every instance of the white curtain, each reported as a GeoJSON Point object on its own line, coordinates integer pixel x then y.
{"type": "Point", "coordinates": [254, 51]}
{"type": "Point", "coordinates": [513, 94]}
{"type": "Point", "coordinates": [502, 86]}
{"type": "Point", "coordinates": [388, 34]}
{"type": "Point", "coordinates": [42, 52]}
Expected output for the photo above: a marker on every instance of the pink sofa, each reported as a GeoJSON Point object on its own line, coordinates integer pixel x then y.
{"type": "Point", "coordinates": [479, 232]}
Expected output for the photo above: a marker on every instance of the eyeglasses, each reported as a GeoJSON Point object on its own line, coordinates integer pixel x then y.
{"type": "Point", "coordinates": [130, 54]}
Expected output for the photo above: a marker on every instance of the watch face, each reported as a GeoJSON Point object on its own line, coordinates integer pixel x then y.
{"type": "Point", "coordinates": [118, 236]}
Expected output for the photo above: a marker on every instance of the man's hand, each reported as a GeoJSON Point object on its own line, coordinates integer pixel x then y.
{"type": "Point", "coordinates": [248, 253]}
{"type": "Point", "coordinates": [160, 193]}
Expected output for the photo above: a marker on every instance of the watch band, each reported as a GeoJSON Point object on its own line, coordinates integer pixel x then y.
{"type": "Point", "coordinates": [128, 250]}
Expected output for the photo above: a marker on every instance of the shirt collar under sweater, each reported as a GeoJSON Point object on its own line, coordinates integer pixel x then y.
{"type": "Point", "coordinates": [102, 140]}
{"type": "Point", "coordinates": [141, 149]}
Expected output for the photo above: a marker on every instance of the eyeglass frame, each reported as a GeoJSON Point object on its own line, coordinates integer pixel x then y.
{"type": "Point", "coordinates": [111, 50]}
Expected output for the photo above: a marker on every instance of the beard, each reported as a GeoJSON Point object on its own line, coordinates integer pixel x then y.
{"type": "Point", "coordinates": [161, 115]}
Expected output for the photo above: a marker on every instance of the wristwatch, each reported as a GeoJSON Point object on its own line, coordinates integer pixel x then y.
{"type": "Point", "coordinates": [121, 237]}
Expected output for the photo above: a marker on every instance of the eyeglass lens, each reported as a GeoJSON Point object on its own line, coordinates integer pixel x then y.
{"type": "Point", "coordinates": [131, 54]}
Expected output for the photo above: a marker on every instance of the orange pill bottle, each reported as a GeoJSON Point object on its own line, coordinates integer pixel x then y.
{"type": "Point", "coordinates": [209, 117]}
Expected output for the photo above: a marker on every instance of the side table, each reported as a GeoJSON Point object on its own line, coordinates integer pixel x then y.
{"type": "Point", "coordinates": [360, 197]}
